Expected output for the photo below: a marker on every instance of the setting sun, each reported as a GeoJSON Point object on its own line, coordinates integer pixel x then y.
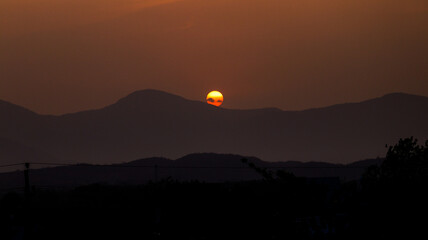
{"type": "Point", "coordinates": [215, 98]}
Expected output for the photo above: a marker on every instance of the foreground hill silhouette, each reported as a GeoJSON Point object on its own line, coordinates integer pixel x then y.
{"type": "Point", "coordinates": [151, 123]}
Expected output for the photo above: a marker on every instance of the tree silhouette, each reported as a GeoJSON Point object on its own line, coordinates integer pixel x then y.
{"type": "Point", "coordinates": [395, 191]}
{"type": "Point", "coordinates": [268, 175]}
{"type": "Point", "coordinates": [405, 163]}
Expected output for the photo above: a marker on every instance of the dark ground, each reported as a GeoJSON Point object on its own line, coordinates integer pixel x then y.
{"type": "Point", "coordinates": [296, 209]}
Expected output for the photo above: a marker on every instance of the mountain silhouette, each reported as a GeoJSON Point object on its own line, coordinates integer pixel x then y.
{"type": "Point", "coordinates": [205, 167]}
{"type": "Point", "coordinates": [151, 123]}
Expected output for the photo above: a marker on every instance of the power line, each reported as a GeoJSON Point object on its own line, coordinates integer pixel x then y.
{"type": "Point", "coordinates": [55, 164]}
{"type": "Point", "coordinates": [186, 167]}
{"type": "Point", "coordinates": [11, 165]}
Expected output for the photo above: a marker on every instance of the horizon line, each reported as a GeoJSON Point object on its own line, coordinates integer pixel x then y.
{"type": "Point", "coordinates": [214, 107]}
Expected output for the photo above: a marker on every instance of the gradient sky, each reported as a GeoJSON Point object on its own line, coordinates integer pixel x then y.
{"type": "Point", "coordinates": [70, 55]}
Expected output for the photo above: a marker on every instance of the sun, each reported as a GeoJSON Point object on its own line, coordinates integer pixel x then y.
{"type": "Point", "coordinates": [215, 98]}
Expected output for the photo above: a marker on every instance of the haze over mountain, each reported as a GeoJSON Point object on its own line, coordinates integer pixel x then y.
{"type": "Point", "coordinates": [152, 123]}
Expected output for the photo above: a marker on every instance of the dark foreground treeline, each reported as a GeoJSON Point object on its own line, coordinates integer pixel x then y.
{"type": "Point", "coordinates": [389, 201]}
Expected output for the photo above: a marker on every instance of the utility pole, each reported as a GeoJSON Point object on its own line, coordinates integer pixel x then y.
{"type": "Point", "coordinates": [27, 184]}
{"type": "Point", "coordinates": [156, 172]}
{"type": "Point", "coordinates": [27, 202]}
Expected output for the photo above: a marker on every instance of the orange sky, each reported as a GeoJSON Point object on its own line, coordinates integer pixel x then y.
{"type": "Point", "coordinates": [70, 55]}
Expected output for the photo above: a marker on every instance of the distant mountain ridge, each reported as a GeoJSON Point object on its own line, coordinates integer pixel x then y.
{"type": "Point", "coordinates": [205, 167]}
{"type": "Point", "coordinates": [150, 123]}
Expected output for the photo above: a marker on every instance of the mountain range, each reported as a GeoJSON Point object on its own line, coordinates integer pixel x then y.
{"type": "Point", "coordinates": [150, 123]}
{"type": "Point", "coordinates": [205, 167]}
